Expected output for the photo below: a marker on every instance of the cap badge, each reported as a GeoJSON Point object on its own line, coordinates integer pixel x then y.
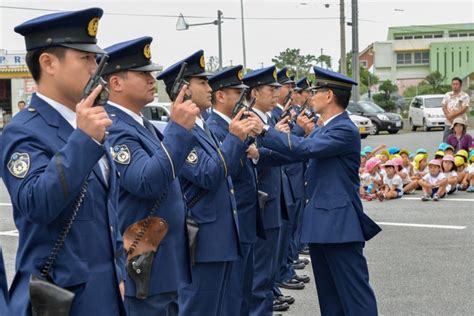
{"type": "Point", "coordinates": [92, 27]}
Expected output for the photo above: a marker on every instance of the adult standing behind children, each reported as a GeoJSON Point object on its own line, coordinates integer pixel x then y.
{"type": "Point", "coordinates": [455, 105]}
{"type": "Point", "coordinates": [460, 138]}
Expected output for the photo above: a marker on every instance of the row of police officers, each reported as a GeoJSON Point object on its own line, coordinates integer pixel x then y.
{"type": "Point", "coordinates": [237, 191]}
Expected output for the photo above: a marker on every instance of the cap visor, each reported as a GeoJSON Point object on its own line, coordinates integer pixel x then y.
{"type": "Point", "coordinates": [90, 48]}
{"type": "Point", "coordinates": [239, 86]}
{"type": "Point", "coordinates": [202, 74]}
{"type": "Point", "coordinates": [287, 82]}
{"type": "Point", "coordinates": [274, 84]}
{"type": "Point", "coordinates": [147, 68]}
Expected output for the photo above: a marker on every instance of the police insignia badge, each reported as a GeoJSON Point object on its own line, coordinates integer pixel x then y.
{"type": "Point", "coordinates": [202, 62]}
{"type": "Point", "coordinates": [240, 75]}
{"type": "Point", "coordinates": [287, 73]}
{"type": "Point", "coordinates": [19, 165]}
{"type": "Point", "coordinates": [147, 51]}
{"type": "Point", "coordinates": [92, 27]}
{"type": "Point", "coordinates": [275, 74]}
{"type": "Point", "coordinates": [192, 157]}
{"type": "Point", "coordinates": [121, 154]}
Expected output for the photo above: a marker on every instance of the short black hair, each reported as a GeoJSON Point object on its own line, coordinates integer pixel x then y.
{"type": "Point", "coordinates": [458, 79]}
{"type": "Point", "coordinates": [121, 74]}
{"type": "Point", "coordinates": [32, 59]}
{"type": "Point", "coordinates": [21, 101]}
{"type": "Point", "coordinates": [342, 97]}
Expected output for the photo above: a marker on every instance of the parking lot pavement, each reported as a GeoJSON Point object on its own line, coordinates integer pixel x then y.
{"type": "Point", "coordinates": [420, 264]}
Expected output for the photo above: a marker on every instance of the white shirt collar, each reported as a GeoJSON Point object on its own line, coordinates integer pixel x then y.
{"type": "Point", "coordinates": [262, 115]}
{"type": "Point", "coordinates": [332, 118]}
{"type": "Point", "coordinates": [224, 117]}
{"type": "Point", "coordinates": [200, 122]}
{"type": "Point", "coordinates": [68, 114]}
{"type": "Point", "coordinates": [281, 107]}
{"type": "Point", "coordinates": [134, 115]}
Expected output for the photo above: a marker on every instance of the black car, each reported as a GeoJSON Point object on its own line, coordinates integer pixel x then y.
{"type": "Point", "coordinates": [382, 120]}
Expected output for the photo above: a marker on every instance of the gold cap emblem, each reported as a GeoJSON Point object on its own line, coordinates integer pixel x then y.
{"type": "Point", "coordinates": [275, 74]}
{"type": "Point", "coordinates": [202, 62]}
{"type": "Point", "coordinates": [92, 27]}
{"type": "Point", "coordinates": [147, 51]}
{"type": "Point", "coordinates": [240, 75]}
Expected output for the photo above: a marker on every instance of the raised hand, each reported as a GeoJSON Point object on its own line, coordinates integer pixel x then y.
{"type": "Point", "coordinates": [183, 112]}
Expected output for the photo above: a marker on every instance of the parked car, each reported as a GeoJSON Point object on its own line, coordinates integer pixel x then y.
{"type": "Point", "coordinates": [363, 124]}
{"type": "Point", "coordinates": [426, 111]}
{"type": "Point", "coordinates": [382, 120]}
{"type": "Point", "coordinates": [158, 114]}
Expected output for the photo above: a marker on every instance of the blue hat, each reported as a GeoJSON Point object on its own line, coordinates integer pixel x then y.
{"type": "Point", "coordinates": [421, 151]}
{"type": "Point", "coordinates": [71, 29]}
{"type": "Point", "coordinates": [302, 84]}
{"type": "Point", "coordinates": [368, 149]}
{"type": "Point", "coordinates": [393, 150]}
{"type": "Point", "coordinates": [283, 76]}
{"type": "Point", "coordinates": [228, 78]}
{"type": "Point", "coordinates": [329, 79]}
{"type": "Point", "coordinates": [196, 68]}
{"type": "Point", "coordinates": [363, 153]}
{"type": "Point", "coordinates": [265, 76]}
{"type": "Point", "coordinates": [133, 55]}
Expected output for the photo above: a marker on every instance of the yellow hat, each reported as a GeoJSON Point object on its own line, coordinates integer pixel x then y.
{"type": "Point", "coordinates": [404, 151]}
{"type": "Point", "coordinates": [458, 161]}
{"type": "Point", "coordinates": [439, 153]}
{"type": "Point", "coordinates": [418, 158]}
{"type": "Point", "coordinates": [462, 153]}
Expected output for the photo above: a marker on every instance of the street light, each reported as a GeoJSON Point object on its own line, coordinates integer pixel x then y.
{"type": "Point", "coordinates": [182, 25]}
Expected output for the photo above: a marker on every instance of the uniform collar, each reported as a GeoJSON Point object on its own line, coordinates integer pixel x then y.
{"type": "Point", "coordinates": [223, 116]}
{"type": "Point", "coordinates": [331, 118]}
{"type": "Point", "coordinates": [200, 122]}
{"type": "Point", "coordinates": [134, 115]}
{"type": "Point", "coordinates": [262, 115]}
{"type": "Point", "coordinates": [68, 114]}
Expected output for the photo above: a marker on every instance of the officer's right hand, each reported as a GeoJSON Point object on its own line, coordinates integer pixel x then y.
{"type": "Point", "coordinates": [92, 120]}
{"type": "Point", "coordinates": [241, 128]}
{"type": "Point", "coordinates": [283, 126]}
{"type": "Point", "coordinates": [184, 113]}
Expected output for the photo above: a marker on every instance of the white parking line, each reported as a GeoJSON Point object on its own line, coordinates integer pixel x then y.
{"type": "Point", "coordinates": [422, 225]}
{"type": "Point", "coordinates": [5, 204]}
{"type": "Point", "coordinates": [446, 199]}
{"type": "Point", "coordinates": [13, 233]}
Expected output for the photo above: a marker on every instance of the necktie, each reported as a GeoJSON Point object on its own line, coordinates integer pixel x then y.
{"type": "Point", "coordinates": [150, 128]}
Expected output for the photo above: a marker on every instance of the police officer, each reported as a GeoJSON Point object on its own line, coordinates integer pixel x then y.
{"type": "Point", "coordinates": [49, 153]}
{"type": "Point", "coordinates": [334, 223]}
{"type": "Point", "coordinates": [263, 84]}
{"type": "Point", "coordinates": [227, 86]}
{"type": "Point", "coordinates": [149, 164]}
{"type": "Point", "coordinates": [205, 177]}
{"type": "Point", "coordinates": [3, 287]}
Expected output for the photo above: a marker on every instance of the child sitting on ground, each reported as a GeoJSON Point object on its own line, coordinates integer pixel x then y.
{"type": "Point", "coordinates": [392, 183]}
{"type": "Point", "coordinates": [420, 168]}
{"type": "Point", "coordinates": [449, 170]}
{"type": "Point", "coordinates": [405, 154]}
{"type": "Point", "coordinates": [462, 174]}
{"type": "Point", "coordinates": [370, 180]}
{"type": "Point", "coordinates": [470, 173]}
{"type": "Point", "coordinates": [401, 171]}
{"type": "Point", "coordinates": [434, 182]}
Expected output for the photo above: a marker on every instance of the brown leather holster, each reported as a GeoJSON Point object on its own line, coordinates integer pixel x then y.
{"type": "Point", "coordinates": [141, 241]}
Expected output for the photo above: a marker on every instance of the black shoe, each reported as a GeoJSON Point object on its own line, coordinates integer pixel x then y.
{"type": "Point", "coordinates": [291, 285]}
{"type": "Point", "coordinates": [280, 307]}
{"type": "Point", "coordinates": [304, 251]}
{"type": "Point", "coordinates": [285, 299]}
{"type": "Point", "coordinates": [302, 278]}
{"type": "Point", "coordinates": [302, 260]}
{"type": "Point", "coordinates": [298, 266]}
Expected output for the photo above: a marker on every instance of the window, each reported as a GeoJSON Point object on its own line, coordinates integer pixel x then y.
{"type": "Point", "coordinates": [398, 37]}
{"type": "Point", "coordinates": [453, 34]}
{"type": "Point", "coordinates": [418, 36]}
{"type": "Point", "coordinates": [363, 63]}
{"type": "Point", "coordinates": [471, 34]}
{"type": "Point", "coordinates": [404, 58]}
{"type": "Point", "coordinates": [438, 35]}
{"type": "Point", "coordinates": [408, 37]}
{"type": "Point", "coordinates": [462, 34]}
{"type": "Point", "coordinates": [421, 58]}
{"type": "Point", "coordinates": [428, 36]}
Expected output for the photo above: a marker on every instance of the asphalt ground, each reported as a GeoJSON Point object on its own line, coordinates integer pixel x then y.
{"type": "Point", "coordinates": [422, 263]}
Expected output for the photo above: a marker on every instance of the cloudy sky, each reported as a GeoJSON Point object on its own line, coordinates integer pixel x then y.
{"type": "Point", "coordinates": [271, 26]}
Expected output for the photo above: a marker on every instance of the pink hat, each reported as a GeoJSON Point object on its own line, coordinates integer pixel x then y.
{"type": "Point", "coordinates": [448, 158]}
{"type": "Point", "coordinates": [435, 162]}
{"type": "Point", "coordinates": [389, 163]}
{"type": "Point", "coordinates": [398, 161]}
{"type": "Point", "coordinates": [372, 163]}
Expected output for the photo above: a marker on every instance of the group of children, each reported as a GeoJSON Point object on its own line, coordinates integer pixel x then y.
{"type": "Point", "coordinates": [387, 174]}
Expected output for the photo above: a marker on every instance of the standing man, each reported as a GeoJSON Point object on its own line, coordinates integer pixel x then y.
{"type": "Point", "coordinates": [455, 105]}
{"type": "Point", "coordinates": [56, 153]}
{"type": "Point", "coordinates": [207, 186]}
{"type": "Point", "coordinates": [227, 86]}
{"type": "Point", "coordinates": [334, 223]}
{"type": "Point", "coordinates": [149, 164]}
{"type": "Point", "coordinates": [21, 105]}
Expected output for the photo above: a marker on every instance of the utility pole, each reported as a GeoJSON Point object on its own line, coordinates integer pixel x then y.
{"type": "Point", "coordinates": [219, 23]}
{"type": "Point", "coordinates": [342, 27]}
{"type": "Point", "coordinates": [243, 34]}
{"type": "Point", "coordinates": [320, 58]}
{"type": "Point", "coordinates": [355, 50]}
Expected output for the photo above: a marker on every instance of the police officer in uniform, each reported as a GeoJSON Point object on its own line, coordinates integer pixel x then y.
{"type": "Point", "coordinates": [149, 164]}
{"type": "Point", "coordinates": [334, 223]}
{"type": "Point", "coordinates": [3, 287]}
{"type": "Point", "coordinates": [49, 153]}
{"type": "Point", "coordinates": [207, 186]}
{"type": "Point", "coordinates": [227, 86]}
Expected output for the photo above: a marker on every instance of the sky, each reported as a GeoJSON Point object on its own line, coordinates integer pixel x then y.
{"type": "Point", "coordinates": [271, 26]}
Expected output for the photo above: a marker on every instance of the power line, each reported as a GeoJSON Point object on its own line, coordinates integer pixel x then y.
{"type": "Point", "coordinates": [191, 16]}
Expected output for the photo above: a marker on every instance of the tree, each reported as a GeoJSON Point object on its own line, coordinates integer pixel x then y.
{"type": "Point", "coordinates": [212, 64]}
{"type": "Point", "coordinates": [299, 65]}
{"type": "Point", "coordinates": [385, 99]}
{"type": "Point", "coordinates": [324, 60]}
{"type": "Point", "coordinates": [435, 81]}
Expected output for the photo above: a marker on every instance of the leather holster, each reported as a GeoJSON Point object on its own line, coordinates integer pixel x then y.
{"type": "Point", "coordinates": [145, 238]}
{"type": "Point", "coordinates": [48, 299]}
{"type": "Point", "coordinates": [193, 229]}
{"type": "Point", "coordinates": [262, 199]}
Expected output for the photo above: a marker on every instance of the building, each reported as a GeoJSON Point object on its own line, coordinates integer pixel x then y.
{"type": "Point", "coordinates": [15, 84]}
{"type": "Point", "coordinates": [410, 53]}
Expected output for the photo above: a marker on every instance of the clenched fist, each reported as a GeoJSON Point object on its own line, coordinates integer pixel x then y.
{"type": "Point", "coordinates": [92, 120]}
{"type": "Point", "coordinates": [184, 113]}
{"type": "Point", "coordinates": [241, 128]}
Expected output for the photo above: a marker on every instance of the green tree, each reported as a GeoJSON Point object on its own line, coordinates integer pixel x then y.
{"type": "Point", "coordinates": [385, 98]}
{"type": "Point", "coordinates": [299, 65]}
{"type": "Point", "coordinates": [324, 60]}
{"type": "Point", "coordinates": [435, 81]}
{"type": "Point", "coordinates": [212, 64]}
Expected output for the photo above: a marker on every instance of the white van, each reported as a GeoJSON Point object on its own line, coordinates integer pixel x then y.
{"type": "Point", "coordinates": [426, 111]}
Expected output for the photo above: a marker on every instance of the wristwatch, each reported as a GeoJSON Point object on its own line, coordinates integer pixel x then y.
{"type": "Point", "coordinates": [264, 130]}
